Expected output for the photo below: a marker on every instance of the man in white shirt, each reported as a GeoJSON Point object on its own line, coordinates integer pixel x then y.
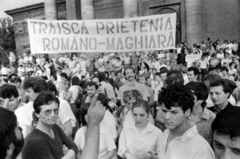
{"type": "Point", "coordinates": [5, 71]}
{"type": "Point", "coordinates": [181, 140]}
{"type": "Point", "coordinates": [108, 120]}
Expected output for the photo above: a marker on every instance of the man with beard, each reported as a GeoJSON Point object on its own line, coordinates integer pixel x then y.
{"type": "Point", "coordinates": [131, 84]}
{"type": "Point", "coordinates": [11, 138]}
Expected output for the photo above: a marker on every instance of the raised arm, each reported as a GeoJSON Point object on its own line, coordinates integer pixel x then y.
{"type": "Point", "coordinates": [96, 113]}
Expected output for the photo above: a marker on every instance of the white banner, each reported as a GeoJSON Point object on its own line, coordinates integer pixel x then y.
{"type": "Point", "coordinates": [113, 35]}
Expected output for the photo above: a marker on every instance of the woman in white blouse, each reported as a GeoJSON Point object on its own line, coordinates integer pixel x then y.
{"type": "Point", "coordinates": [107, 147]}
{"type": "Point", "coordinates": [141, 140]}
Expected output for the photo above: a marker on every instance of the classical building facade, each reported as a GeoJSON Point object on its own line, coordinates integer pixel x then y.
{"type": "Point", "coordinates": [196, 19]}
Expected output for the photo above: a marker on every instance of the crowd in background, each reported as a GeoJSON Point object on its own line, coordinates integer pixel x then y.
{"type": "Point", "coordinates": [159, 104]}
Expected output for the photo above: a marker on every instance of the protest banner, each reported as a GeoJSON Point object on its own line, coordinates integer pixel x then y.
{"type": "Point", "coordinates": [193, 57]}
{"type": "Point", "coordinates": [155, 32]}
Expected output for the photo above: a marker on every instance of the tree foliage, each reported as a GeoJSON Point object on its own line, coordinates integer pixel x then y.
{"type": "Point", "coordinates": [7, 36]}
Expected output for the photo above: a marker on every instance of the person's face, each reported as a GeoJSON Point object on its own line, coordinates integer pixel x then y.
{"type": "Point", "coordinates": [140, 116]}
{"type": "Point", "coordinates": [225, 147]}
{"type": "Point", "coordinates": [63, 79]}
{"type": "Point", "coordinates": [157, 78]}
{"type": "Point", "coordinates": [218, 96]}
{"type": "Point", "coordinates": [174, 117]}
{"type": "Point", "coordinates": [30, 94]}
{"type": "Point", "coordinates": [18, 84]}
{"type": "Point", "coordinates": [154, 71]}
{"type": "Point", "coordinates": [142, 80]}
{"type": "Point", "coordinates": [49, 114]}
{"type": "Point", "coordinates": [13, 104]}
{"type": "Point", "coordinates": [224, 72]}
{"type": "Point", "coordinates": [91, 90]}
{"type": "Point", "coordinates": [191, 76]}
{"type": "Point", "coordinates": [149, 81]}
{"type": "Point", "coordinates": [129, 74]}
{"type": "Point", "coordinates": [163, 76]}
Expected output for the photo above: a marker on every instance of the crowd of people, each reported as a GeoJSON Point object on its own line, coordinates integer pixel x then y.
{"type": "Point", "coordinates": [171, 104]}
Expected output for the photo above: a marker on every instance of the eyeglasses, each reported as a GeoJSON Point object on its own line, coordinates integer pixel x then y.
{"type": "Point", "coordinates": [49, 112]}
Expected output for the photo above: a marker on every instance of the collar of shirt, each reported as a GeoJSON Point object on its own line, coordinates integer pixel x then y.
{"type": "Point", "coordinates": [131, 84]}
{"type": "Point", "coordinates": [190, 133]}
{"type": "Point", "coordinates": [205, 114]}
{"type": "Point", "coordinates": [149, 128]}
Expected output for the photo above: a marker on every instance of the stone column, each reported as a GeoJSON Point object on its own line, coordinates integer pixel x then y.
{"type": "Point", "coordinates": [130, 8]}
{"type": "Point", "coordinates": [87, 9]}
{"type": "Point", "coordinates": [50, 8]}
{"type": "Point", "coordinates": [71, 10]}
{"type": "Point", "coordinates": [194, 22]}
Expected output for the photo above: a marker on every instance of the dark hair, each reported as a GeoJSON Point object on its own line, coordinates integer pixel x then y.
{"type": "Point", "coordinates": [38, 84]}
{"type": "Point", "coordinates": [177, 96]}
{"type": "Point", "coordinates": [63, 75]}
{"type": "Point", "coordinates": [18, 80]}
{"type": "Point", "coordinates": [200, 90]}
{"type": "Point", "coordinates": [227, 122]}
{"type": "Point", "coordinates": [106, 72]}
{"type": "Point", "coordinates": [44, 98]}
{"type": "Point", "coordinates": [90, 84]}
{"type": "Point", "coordinates": [8, 91]}
{"type": "Point", "coordinates": [101, 76]}
{"type": "Point", "coordinates": [54, 76]}
{"type": "Point", "coordinates": [224, 68]}
{"type": "Point", "coordinates": [224, 83]}
{"type": "Point", "coordinates": [127, 95]}
{"type": "Point", "coordinates": [157, 74]}
{"type": "Point", "coordinates": [163, 70]}
{"type": "Point", "coordinates": [8, 122]}
{"type": "Point", "coordinates": [5, 80]}
{"type": "Point", "coordinates": [75, 81]}
{"type": "Point", "coordinates": [52, 87]}
{"type": "Point", "coordinates": [211, 78]}
{"type": "Point", "coordinates": [141, 103]}
{"type": "Point", "coordinates": [194, 69]}
{"type": "Point", "coordinates": [117, 72]}
{"type": "Point", "coordinates": [174, 77]}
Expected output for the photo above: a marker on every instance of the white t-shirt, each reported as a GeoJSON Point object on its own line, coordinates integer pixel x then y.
{"type": "Point", "coordinates": [106, 141]}
{"type": "Point", "coordinates": [110, 122]}
{"type": "Point", "coordinates": [75, 92]}
{"type": "Point", "coordinates": [5, 71]}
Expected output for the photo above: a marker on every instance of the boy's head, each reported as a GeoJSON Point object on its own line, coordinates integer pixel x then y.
{"type": "Point", "coordinates": [200, 92]}
{"type": "Point", "coordinates": [226, 134]}
{"type": "Point", "coordinates": [33, 86]}
{"type": "Point", "coordinates": [9, 94]}
{"type": "Point", "coordinates": [177, 103]}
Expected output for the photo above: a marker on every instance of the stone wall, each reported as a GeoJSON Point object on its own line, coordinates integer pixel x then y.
{"type": "Point", "coordinates": [20, 16]}
{"type": "Point", "coordinates": [221, 19]}
{"type": "Point", "coordinates": [108, 9]}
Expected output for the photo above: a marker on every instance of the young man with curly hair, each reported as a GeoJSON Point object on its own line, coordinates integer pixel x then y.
{"type": "Point", "coordinates": [181, 140]}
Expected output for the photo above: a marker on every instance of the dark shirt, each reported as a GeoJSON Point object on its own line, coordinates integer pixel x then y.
{"type": "Point", "coordinates": [215, 110]}
{"type": "Point", "coordinates": [117, 83]}
{"type": "Point", "coordinates": [39, 145]}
